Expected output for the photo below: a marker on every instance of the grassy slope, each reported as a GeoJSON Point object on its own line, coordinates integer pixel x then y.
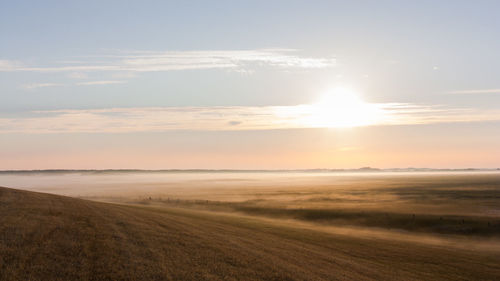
{"type": "Point", "coordinates": [48, 237]}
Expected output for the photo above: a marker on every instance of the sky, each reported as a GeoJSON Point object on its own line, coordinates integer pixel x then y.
{"type": "Point", "coordinates": [249, 84]}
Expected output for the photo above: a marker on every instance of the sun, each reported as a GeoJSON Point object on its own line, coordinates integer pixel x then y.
{"type": "Point", "coordinates": [340, 108]}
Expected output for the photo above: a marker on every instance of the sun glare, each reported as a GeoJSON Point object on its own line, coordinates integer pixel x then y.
{"type": "Point", "coordinates": [339, 108]}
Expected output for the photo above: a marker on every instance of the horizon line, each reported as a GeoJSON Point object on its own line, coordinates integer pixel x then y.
{"type": "Point", "coordinates": [362, 169]}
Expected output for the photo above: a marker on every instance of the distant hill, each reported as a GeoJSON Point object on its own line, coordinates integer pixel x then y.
{"type": "Point", "coordinates": [49, 237]}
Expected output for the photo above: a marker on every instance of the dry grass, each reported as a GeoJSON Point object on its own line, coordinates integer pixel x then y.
{"type": "Point", "coordinates": [464, 204]}
{"type": "Point", "coordinates": [480, 226]}
{"type": "Point", "coordinates": [49, 237]}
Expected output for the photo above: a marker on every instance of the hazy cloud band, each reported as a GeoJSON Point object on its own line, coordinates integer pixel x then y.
{"type": "Point", "coordinates": [220, 118]}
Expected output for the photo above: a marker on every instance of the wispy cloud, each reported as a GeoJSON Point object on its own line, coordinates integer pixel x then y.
{"type": "Point", "coordinates": [158, 119]}
{"type": "Point", "coordinates": [349, 148]}
{"type": "Point", "coordinates": [33, 86]}
{"type": "Point", "coordinates": [9, 65]}
{"type": "Point", "coordinates": [105, 82]}
{"type": "Point", "coordinates": [412, 114]}
{"type": "Point", "coordinates": [145, 61]}
{"type": "Point", "coordinates": [124, 75]}
{"type": "Point", "coordinates": [77, 75]}
{"type": "Point", "coordinates": [477, 91]}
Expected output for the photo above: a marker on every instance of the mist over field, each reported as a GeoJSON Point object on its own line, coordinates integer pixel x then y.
{"type": "Point", "coordinates": [460, 204]}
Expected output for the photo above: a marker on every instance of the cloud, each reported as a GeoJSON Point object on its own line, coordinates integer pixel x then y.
{"type": "Point", "coordinates": [219, 118]}
{"type": "Point", "coordinates": [124, 75]}
{"type": "Point", "coordinates": [349, 148]}
{"type": "Point", "coordinates": [479, 91]}
{"type": "Point", "coordinates": [77, 75]}
{"type": "Point", "coordinates": [8, 65]}
{"type": "Point", "coordinates": [34, 86]}
{"type": "Point", "coordinates": [105, 82]}
{"type": "Point", "coordinates": [412, 114]}
{"type": "Point", "coordinates": [40, 85]}
{"type": "Point", "coordinates": [147, 61]}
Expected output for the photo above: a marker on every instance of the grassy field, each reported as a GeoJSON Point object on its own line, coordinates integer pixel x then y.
{"type": "Point", "coordinates": [250, 226]}
{"type": "Point", "coordinates": [50, 237]}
